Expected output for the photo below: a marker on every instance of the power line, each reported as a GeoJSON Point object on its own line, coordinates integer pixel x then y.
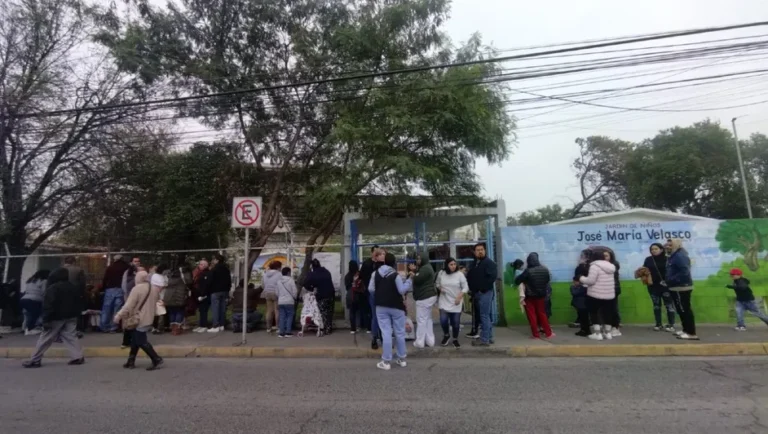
{"type": "Point", "coordinates": [402, 71]}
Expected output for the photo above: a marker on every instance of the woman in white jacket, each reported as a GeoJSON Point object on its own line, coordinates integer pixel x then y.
{"type": "Point", "coordinates": [601, 290]}
{"type": "Point", "coordinates": [269, 283]}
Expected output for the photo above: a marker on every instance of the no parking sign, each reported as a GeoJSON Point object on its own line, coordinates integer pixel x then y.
{"type": "Point", "coordinates": [246, 212]}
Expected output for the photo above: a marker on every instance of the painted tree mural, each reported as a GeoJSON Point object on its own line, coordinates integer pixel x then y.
{"type": "Point", "coordinates": [748, 237]}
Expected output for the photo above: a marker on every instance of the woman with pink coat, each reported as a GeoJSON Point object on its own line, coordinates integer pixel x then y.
{"type": "Point", "coordinates": [601, 291]}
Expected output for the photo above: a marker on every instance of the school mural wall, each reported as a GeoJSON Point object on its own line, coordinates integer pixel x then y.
{"type": "Point", "coordinates": [714, 247]}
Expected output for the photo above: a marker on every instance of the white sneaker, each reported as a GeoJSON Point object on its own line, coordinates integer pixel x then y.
{"type": "Point", "coordinates": [200, 330]}
{"type": "Point", "coordinates": [401, 363]}
{"type": "Point", "coordinates": [615, 333]}
{"type": "Point", "coordinates": [741, 329]}
{"type": "Point", "coordinates": [385, 366]}
{"type": "Point", "coordinates": [669, 329]}
{"type": "Point", "coordinates": [351, 332]}
{"type": "Point", "coordinates": [677, 333]}
{"type": "Point", "coordinates": [32, 332]}
{"type": "Point", "coordinates": [596, 336]}
{"type": "Point", "coordinates": [608, 336]}
{"type": "Point", "coordinates": [213, 330]}
{"type": "Point", "coordinates": [221, 329]}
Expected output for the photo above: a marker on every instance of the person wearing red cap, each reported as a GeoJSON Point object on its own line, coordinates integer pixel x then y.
{"type": "Point", "coordinates": [745, 300]}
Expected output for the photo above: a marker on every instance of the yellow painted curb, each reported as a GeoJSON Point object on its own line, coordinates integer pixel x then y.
{"type": "Point", "coordinates": [598, 350]}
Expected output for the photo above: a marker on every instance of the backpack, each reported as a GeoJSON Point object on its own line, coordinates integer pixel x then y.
{"type": "Point", "coordinates": [357, 285]}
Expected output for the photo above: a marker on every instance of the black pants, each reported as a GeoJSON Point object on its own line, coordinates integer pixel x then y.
{"type": "Point", "coordinates": [326, 310]}
{"type": "Point", "coordinates": [582, 317]}
{"type": "Point", "coordinates": [601, 311]}
{"type": "Point", "coordinates": [127, 338]}
{"type": "Point", "coordinates": [139, 340]}
{"type": "Point", "coordinates": [356, 312]}
{"type": "Point", "coordinates": [616, 321]}
{"type": "Point", "coordinates": [683, 306]}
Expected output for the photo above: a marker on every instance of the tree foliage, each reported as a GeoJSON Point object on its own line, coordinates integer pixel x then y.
{"type": "Point", "coordinates": [541, 216]}
{"type": "Point", "coordinates": [748, 237]}
{"type": "Point", "coordinates": [328, 141]}
{"type": "Point", "coordinates": [52, 163]}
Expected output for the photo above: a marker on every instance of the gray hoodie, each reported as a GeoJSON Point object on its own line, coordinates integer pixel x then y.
{"type": "Point", "coordinates": [269, 282]}
{"type": "Point", "coordinates": [286, 290]}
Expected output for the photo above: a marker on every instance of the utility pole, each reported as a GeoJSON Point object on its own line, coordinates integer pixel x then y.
{"type": "Point", "coordinates": [741, 168]}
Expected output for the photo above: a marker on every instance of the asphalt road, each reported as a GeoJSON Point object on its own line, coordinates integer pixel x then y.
{"type": "Point", "coordinates": [574, 396]}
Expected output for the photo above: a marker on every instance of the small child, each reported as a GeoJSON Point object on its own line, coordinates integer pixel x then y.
{"type": "Point", "coordinates": [745, 300]}
{"type": "Point", "coordinates": [286, 302]}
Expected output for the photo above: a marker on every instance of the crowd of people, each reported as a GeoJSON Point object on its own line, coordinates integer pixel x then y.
{"type": "Point", "coordinates": [377, 293]}
{"type": "Point", "coordinates": [596, 288]}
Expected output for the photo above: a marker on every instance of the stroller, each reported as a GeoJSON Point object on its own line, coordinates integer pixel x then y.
{"type": "Point", "coordinates": [310, 314]}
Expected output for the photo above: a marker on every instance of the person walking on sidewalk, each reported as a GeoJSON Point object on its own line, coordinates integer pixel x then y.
{"type": "Point", "coordinates": [452, 285]}
{"type": "Point", "coordinates": [269, 282]}
{"type": "Point", "coordinates": [388, 289]}
{"type": "Point", "coordinates": [62, 305]}
{"type": "Point", "coordinates": [482, 281]}
{"type": "Point", "coordinates": [425, 297]}
{"type": "Point", "coordinates": [218, 291]}
{"type": "Point", "coordinates": [286, 303]}
{"type": "Point", "coordinates": [680, 283]}
{"type": "Point", "coordinates": [137, 315]}
{"type": "Point", "coordinates": [745, 300]}
{"type": "Point", "coordinates": [601, 291]}
{"type": "Point", "coordinates": [129, 281]}
{"type": "Point", "coordinates": [113, 292]}
{"type": "Point", "coordinates": [533, 284]}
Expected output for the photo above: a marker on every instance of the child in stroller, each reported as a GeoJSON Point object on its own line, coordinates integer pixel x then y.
{"type": "Point", "coordinates": [310, 314]}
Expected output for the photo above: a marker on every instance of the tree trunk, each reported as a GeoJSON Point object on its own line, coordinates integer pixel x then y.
{"type": "Point", "coordinates": [750, 258]}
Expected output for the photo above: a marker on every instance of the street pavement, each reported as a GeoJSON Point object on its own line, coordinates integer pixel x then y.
{"type": "Point", "coordinates": [301, 396]}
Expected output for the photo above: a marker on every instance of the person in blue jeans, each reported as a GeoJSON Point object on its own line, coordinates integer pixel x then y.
{"type": "Point", "coordinates": [387, 288]}
{"type": "Point", "coordinates": [745, 300]}
{"type": "Point", "coordinates": [218, 289]}
{"type": "Point", "coordinates": [286, 303]}
{"type": "Point", "coordinates": [113, 293]}
{"type": "Point", "coordinates": [481, 278]}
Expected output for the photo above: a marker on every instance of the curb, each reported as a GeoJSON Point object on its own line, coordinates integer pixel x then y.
{"type": "Point", "coordinates": [655, 350]}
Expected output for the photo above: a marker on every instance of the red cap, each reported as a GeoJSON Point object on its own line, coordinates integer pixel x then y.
{"type": "Point", "coordinates": [736, 272]}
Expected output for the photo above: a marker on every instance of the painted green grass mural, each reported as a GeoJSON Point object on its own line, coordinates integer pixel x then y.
{"type": "Point", "coordinates": [715, 247]}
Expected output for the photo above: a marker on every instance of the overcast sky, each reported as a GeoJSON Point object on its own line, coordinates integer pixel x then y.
{"type": "Point", "coordinates": [538, 172]}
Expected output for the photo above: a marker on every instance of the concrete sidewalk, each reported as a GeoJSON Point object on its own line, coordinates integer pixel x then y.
{"type": "Point", "coordinates": [510, 342]}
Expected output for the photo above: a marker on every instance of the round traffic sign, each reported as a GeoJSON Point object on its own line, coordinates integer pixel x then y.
{"type": "Point", "coordinates": [245, 216]}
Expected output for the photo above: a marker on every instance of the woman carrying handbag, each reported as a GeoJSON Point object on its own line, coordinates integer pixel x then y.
{"type": "Point", "coordinates": [137, 315]}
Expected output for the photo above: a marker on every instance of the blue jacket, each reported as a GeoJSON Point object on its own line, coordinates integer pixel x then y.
{"type": "Point", "coordinates": [679, 269]}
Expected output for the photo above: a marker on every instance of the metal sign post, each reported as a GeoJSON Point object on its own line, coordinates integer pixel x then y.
{"type": "Point", "coordinates": [246, 214]}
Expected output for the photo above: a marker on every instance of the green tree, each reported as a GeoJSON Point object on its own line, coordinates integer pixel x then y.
{"type": "Point", "coordinates": [748, 237]}
{"type": "Point", "coordinates": [691, 169]}
{"type": "Point", "coordinates": [322, 145]}
{"type": "Point", "coordinates": [541, 216]}
{"type": "Point", "coordinates": [53, 164]}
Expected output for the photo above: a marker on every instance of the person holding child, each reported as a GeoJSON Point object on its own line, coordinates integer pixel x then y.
{"type": "Point", "coordinates": [745, 300]}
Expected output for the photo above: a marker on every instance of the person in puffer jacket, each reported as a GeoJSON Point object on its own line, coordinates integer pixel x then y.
{"type": "Point", "coordinates": [175, 299]}
{"type": "Point", "coordinates": [601, 292]}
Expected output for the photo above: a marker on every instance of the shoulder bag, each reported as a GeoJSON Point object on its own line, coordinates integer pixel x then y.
{"type": "Point", "coordinates": [133, 321]}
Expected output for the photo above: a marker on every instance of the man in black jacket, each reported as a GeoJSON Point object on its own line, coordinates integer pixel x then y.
{"type": "Point", "coordinates": [481, 279]}
{"type": "Point", "coordinates": [62, 305]}
{"type": "Point", "coordinates": [369, 267]}
{"type": "Point", "coordinates": [218, 291]}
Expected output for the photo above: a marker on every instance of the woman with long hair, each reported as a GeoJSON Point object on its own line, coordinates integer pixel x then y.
{"type": "Point", "coordinates": [680, 283]}
{"type": "Point", "coordinates": [355, 299]}
{"type": "Point", "coordinates": [140, 305]}
{"type": "Point", "coordinates": [601, 295]}
{"type": "Point", "coordinates": [452, 285]}
{"type": "Point", "coordinates": [655, 280]}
